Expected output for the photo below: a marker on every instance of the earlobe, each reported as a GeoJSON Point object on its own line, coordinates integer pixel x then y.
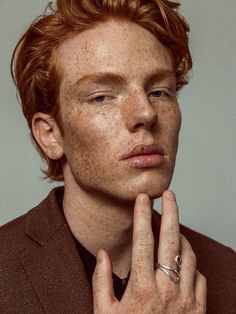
{"type": "Point", "coordinates": [47, 135]}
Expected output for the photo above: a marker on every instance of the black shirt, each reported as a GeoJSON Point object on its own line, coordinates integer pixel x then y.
{"type": "Point", "coordinates": [89, 261]}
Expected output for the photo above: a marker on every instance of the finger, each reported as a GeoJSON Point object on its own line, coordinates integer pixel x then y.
{"type": "Point", "coordinates": [142, 265]}
{"type": "Point", "coordinates": [192, 283]}
{"type": "Point", "coordinates": [169, 239]}
{"type": "Point", "coordinates": [103, 292]}
{"type": "Point", "coordinates": [201, 291]}
{"type": "Point", "coordinates": [187, 268]}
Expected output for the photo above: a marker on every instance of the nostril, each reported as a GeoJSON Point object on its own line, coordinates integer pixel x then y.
{"type": "Point", "coordinates": [139, 125]}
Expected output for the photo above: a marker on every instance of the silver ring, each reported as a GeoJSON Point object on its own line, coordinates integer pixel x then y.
{"type": "Point", "coordinates": [173, 273]}
{"type": "Point", "coordinates": [178, 261]}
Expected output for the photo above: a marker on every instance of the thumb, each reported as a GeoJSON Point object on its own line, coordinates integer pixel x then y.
{"type": "Point", "coordinates": [103, 292]}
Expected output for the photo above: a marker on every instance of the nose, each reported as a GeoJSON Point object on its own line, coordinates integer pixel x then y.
{"type": "Point", "coordinates": [139, 113]}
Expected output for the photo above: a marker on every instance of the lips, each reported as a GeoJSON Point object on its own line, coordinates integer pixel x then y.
{"type": "Point", "coordinates": [143, 150]}
{"type": "Point", "coordinates": [145, 156]}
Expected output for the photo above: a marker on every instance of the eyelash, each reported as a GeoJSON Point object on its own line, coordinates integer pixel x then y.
{"type": "Point", "coordinates": [95, 99]}
{"type": "Point", "coordinates": [101, 96]}
{"type": "Point", "coordinates": [160, 94]}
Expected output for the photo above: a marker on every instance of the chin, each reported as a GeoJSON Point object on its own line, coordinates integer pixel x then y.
{"type": "Point", "coordinates": [153, 185]}
{"type": "Point", "coordinates": [154, 191]}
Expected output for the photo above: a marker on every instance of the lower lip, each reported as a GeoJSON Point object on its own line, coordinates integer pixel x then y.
{"type": "Point", "coordinates": [145, 161]}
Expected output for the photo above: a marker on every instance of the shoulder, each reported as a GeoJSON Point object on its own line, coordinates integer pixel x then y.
{"type": "Point", "coordinates": [19, 239]}
{"type": "Point", "coordinates": [16, 236]}
{"type": "Point", "coordinates": [210, 253]}
{"type": "Point", "coordinates": [14, 283]}
{"type": "Point", "coordinates": [12, 238]}
{"type": "Point", "coordinates": [217, 263]}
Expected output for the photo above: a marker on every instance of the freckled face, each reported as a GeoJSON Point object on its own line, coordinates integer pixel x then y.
{"type": "Point", "coordinates": [117, 92]}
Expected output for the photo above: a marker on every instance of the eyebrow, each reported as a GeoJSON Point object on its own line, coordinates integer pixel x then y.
{"type": "Point", "coordinates": [159, 76]}
{"type": "Point", "coordinates": [115, 78]}
{"type": "Point", "coordinates": [101, 78]}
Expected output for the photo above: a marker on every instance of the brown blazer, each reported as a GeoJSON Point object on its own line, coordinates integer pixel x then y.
{"type": "Point", "coordinates": [41, 271]}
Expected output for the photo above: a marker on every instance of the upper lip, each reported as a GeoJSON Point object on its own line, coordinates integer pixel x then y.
{"type": "Point", "coordinates": [143, 149]}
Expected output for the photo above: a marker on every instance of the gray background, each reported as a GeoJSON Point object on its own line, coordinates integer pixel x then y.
{"type": "Point", "coordinates": [205, 176]}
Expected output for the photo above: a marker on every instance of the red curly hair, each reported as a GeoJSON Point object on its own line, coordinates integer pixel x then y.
{"type": "Point", "coordinates": [33, 65]}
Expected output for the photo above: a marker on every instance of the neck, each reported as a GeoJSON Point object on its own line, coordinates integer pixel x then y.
{"type": "Point", "coordinates": [99, 221]}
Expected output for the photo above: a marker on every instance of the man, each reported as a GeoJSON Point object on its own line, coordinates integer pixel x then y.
{"type": "Point", "coordinates": [98, 83]}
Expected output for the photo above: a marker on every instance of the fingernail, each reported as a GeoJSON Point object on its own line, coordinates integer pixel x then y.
{"type": "Point", "coordinates": [170, 195]}
{"type": "Point", "coordinates": [144, 199]}
{"type": "Point", "coordinates": [99, 257]}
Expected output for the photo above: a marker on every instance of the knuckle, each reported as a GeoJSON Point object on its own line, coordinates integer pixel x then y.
{"type": "Point", "coordinates": [144, 240]}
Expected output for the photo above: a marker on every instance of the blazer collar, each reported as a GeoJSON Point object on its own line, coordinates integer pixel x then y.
{"type": "Point", "coordinates": [54, 266]}
{"type": "Point", "coordinates": [43, 221]}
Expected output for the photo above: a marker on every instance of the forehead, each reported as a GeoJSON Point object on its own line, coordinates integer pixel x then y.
{"type": "Point", "coordinates": [114, 46]}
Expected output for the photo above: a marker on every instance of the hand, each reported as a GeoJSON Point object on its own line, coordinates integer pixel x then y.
{"type": "Point", "coordinates": [151, 290]}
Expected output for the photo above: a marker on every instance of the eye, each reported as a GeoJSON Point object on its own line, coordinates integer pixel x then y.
{"type": "Point", "coordinates": [100, 98]}
{"type": "Point", "coordinates": [159, 93]}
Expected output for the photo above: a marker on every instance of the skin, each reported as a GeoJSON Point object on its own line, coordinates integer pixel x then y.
{"type": "Point", "coordinates": [98, 133]}
{"type": "Point", "coordinates": [102, 120]}
{"type": "Point", "coordinates": [149, 290]}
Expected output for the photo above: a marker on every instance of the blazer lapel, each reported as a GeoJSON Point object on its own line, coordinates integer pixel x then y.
{"type": "Point", "coordinates": [54, 266]}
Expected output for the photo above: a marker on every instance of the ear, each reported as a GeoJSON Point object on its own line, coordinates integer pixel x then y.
{"type": "Point", "coordinates": [47, 135]}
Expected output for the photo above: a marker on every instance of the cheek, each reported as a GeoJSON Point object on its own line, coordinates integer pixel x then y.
{"type": "Point", "coordinates": [104, 123]}
{"type": "Point", "coordinates": [169, 125]}
{"type": "Point", "coordinates": [91, 131]}
{"type": "Point", "coordinates": [88, 143]}
{"type": "Point", "coordinates": [175, 121]}
{"type": "Point", "coordinates": [170, 121]}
